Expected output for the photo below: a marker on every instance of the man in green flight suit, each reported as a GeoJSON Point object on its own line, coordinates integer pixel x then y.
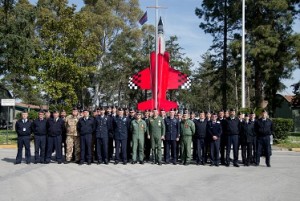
{"type": "Point", "coordinates": [187, 130]}
{"type": "Point", "coordinates": [138, 128]}
{"type": "Point", "coordinates": [156, 132]}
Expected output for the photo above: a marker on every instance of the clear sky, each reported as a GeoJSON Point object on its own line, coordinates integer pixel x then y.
{"type": "Point", "coordinates": [179, 19]}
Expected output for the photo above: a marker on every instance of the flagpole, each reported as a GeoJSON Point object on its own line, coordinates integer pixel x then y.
{"type": "Point", "coordinates": [243, 54]}
{"type": "Point", "coordinates": [156, 55]}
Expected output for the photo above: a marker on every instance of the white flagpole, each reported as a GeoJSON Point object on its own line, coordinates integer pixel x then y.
{"type": "Point", "coordinates": [156, 56]}
{"type": "Point", "coordinates": [243, 55]}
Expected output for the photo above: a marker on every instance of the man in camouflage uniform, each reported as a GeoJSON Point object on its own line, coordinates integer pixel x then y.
{"type": "Point", "coordinates": [156, 132]}
{"type": "Point", "coordinates": [73, 139]}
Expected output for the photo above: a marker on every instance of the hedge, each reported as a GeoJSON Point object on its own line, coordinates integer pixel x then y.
{"type": "Point", "coordinates": [282, 127]}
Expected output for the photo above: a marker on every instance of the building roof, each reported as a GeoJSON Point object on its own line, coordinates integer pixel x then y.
{"type": "Point", "coordinates": [26, 106]}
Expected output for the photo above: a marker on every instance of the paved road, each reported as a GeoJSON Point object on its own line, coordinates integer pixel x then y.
{"type": "Point", "coordinates": [149, 182]}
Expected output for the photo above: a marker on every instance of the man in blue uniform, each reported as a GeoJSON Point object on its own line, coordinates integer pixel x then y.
{"type": "Point", "coordinates": [171, 136]}
{"type": "Point", "coordinates": [214, 132]}
{"type": "Point", "coordinates": [103, 128]}
{"type": "Point", "coordinates": [263, 130]}
{"type": "Point", "coordinates": [23, 129]}
{"type": "Point", "coordinates": [121, 126]}
{"type": "Point", "coordinates": [223, 140]}
{"type": "Point", "coordinates": [200, 136]}
{"type": "Point", "coordinates": [55, 129]}
{"type": "Point", "coordinates": [85, 128]}
{"type": "Point", "coordinates": [39, 128]}
{"type": "Point", "coordinates": [233, 131]}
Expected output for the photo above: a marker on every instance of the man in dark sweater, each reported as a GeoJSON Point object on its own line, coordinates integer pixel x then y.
{"type": "Point", "coordinates": [23, 128]}
{"type": "Point", "coordinates": [200, 136]}
{"type": "Point", "coordinates": [232, 130]}
{"type": "Point", "coordinates": [214, 131]}
{"type": "Point", "coordinates": [55, 129]}
{"type": "Point", "coordinates": [40, 133]}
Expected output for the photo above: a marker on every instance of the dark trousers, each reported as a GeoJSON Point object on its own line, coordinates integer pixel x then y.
{"type": "Point", "coordinates": [195, 149]}
{"type": "Point", "coordinates": [170, 144]}
{"type": "Point", "coordinates": [23, 140]}
{"type": "Point", "coordinates": [123, 144]}
{"type": "Point", "coordinates": [129, 147]}
{"type": "Point", "coordinates": [207, 142]}
{"type": "Point", "coordinates": [86, 145]}
{"type": "Point", "coordinates": [54, 143]}
{"type": "Point", "coordinates": [39, 148]}
{"type": "Point", "coordinates": [110, 147]}
{"type": "Point", "coordinates": [234, 141]}
{"type": "Point", "coordinates": [147, 148]}
{"type": "Point", "coordinates": [200, 145]}
{"type": "Point", "coordinates": [223, 143]}
{"type": "Point", "coordinates": [178, 148]}
{"type": "Point", "coordinates": [102, 149]}
{"type": "Point", "coordinates": [263, 143]}
{"type": "Point", "coordinates": [215, 152]}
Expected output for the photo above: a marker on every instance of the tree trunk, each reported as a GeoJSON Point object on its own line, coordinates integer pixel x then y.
{"type": "Point", "coordinates": [224, 62]}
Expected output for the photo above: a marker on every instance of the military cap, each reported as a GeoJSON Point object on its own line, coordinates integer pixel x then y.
{"type": "Point", "coordinates": [132, 110]}
{"type": "Point", "coordinates": [46, 111]}
{"type": "Point", "coordinates": [41, 111]}
{"type": "Point", "coordinates": [154, 109]}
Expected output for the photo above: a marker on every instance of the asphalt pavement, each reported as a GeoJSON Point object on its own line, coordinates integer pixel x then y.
{"type": "Point", "coordinates": [71, 182]}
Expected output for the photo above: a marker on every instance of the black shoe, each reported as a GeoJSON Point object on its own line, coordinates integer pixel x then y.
{"type": "Point", "coordinates": [35, 162]}
{"type": "Point", "coordinates": [28, 162]}
{"type": "Point", "coordinates": [116, 162]}
{"type": "Point", "coordinates": [66, 162]}
{"type": "Point", "coordinates": [133, 162]}
{"type": "Point", "coordinates": [89, 163]}
{"type": "Point", "coordinates": [142, 162]}
{"type": "Point", "coordinates": [268, 165]}
{"type": "Point", "coordinates": [80, 163]}
{"type": "Point", "coordinates": [227, 164]}
{"type": "Point", "coordinates": [212, 164]}
{"type": "Point", "coordinates": [159, 163]}
{"type": "Point", "coordinates": [124, 163]}
{"type": "Point", "coordinates": [153, 162]}
{"type": "Point", "coordinates": [59, 162]}
{"type": "Point", "coordinates": [47, 162]}
{"type": "Point", "coordinates": [99, 162]}
{"type": "Point", "coordinates": [16, 163]}
{"type": "Point", "coordinates": [197, 163]}
{"type": "Point", "coordinates": [236, 165]}
{"type": "Point", "coordinates": [105, 162]}
{"type": "Point", "coordinates": [217, 165]}
{"type": "Point", "coordinates": [175, 163]}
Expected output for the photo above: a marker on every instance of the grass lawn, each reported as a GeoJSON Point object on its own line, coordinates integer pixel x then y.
{"type": "Point", "coordinates": [12, 137]}
{"type": "Point", "coordinates": [293, 141]}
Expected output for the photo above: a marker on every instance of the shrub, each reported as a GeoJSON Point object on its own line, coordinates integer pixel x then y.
{"type": "Point", "coordinates": [282, 127]}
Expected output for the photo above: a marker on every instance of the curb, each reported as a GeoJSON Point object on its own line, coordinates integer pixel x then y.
{"type": "Point", "coordinates": [8, 146]}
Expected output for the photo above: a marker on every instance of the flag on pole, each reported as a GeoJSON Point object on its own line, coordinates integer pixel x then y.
{"type": "Point", "coordinates": [143, 19]}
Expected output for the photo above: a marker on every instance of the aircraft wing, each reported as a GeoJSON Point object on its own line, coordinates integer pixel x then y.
{"type": "Point", "coordinates": [178, 79]}
{"type": "Point", "coordinates": [140, 80]}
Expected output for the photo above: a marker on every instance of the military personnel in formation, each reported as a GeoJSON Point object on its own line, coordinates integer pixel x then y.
{"type": "Point", "coordinates": [200, 137]}
{"type": "Point", "coordinates": [39, 128]}
{"type": "Point", "coordinates": [147, 151]}
{"type": "Point", "coordinates": [208, 139]}
{"type": "Point", "coordinates": [223, 140]}
{"type": "Point", "coordinates": [264, 130]}
{"type": "Point", "coordinates": [23, 129]}
{"type": "Point", "coordinates": [63, 115]}
{"type": "Point", "coordinates": [215, 132]}
{"type": "Point", "coordinates": [247, 138]}
{"type": "Point", "coordinates": [55, 129]}
{"type": "Point", "coordinates": [187, 130]}
{"type": "Point", "coordinates": [131, 117]}
{"type": "Point", "coordinates": [138, 128]}
{"type": "Point", "coordinates": [112, 115]}
{"type": "Point", "coordinates": [171, 137]}
{"type": "Point", "coordinates": [156, 132]}
{"type": "Point", "coordinates": [233, 131]}
{"type": "Point", "coordinates": [73, 138]}
{"type": "Point", "coordinates": [120, 128]}
{"type": "Point", "coordinates": [103, 128]}
{"type": "Point", "coordinates": [85, 127]}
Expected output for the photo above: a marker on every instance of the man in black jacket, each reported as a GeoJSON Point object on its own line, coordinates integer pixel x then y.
{"type": "Point", "coordinates": [200, 136]}
{"type": "Point", "coordinates": [233, 131]}
{"type": "Point", "coordinates": [247, 138]}
{"type": "Point", "coordinates": [39, 128]}
{"type": "Point", "coordinates": [23, 128]}
{"type": "Point", "coordinates": [55, 128]}
{"type": "Point", "coordinates": [263, 130]}
{"type": "Point", "coordinates": [214, 131]}
{"type": "Point", "coordinates": [85, 128]}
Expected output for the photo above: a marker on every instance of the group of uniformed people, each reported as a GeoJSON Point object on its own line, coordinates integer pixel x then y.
{"type": "Point", "coordinates": [135, 135]}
